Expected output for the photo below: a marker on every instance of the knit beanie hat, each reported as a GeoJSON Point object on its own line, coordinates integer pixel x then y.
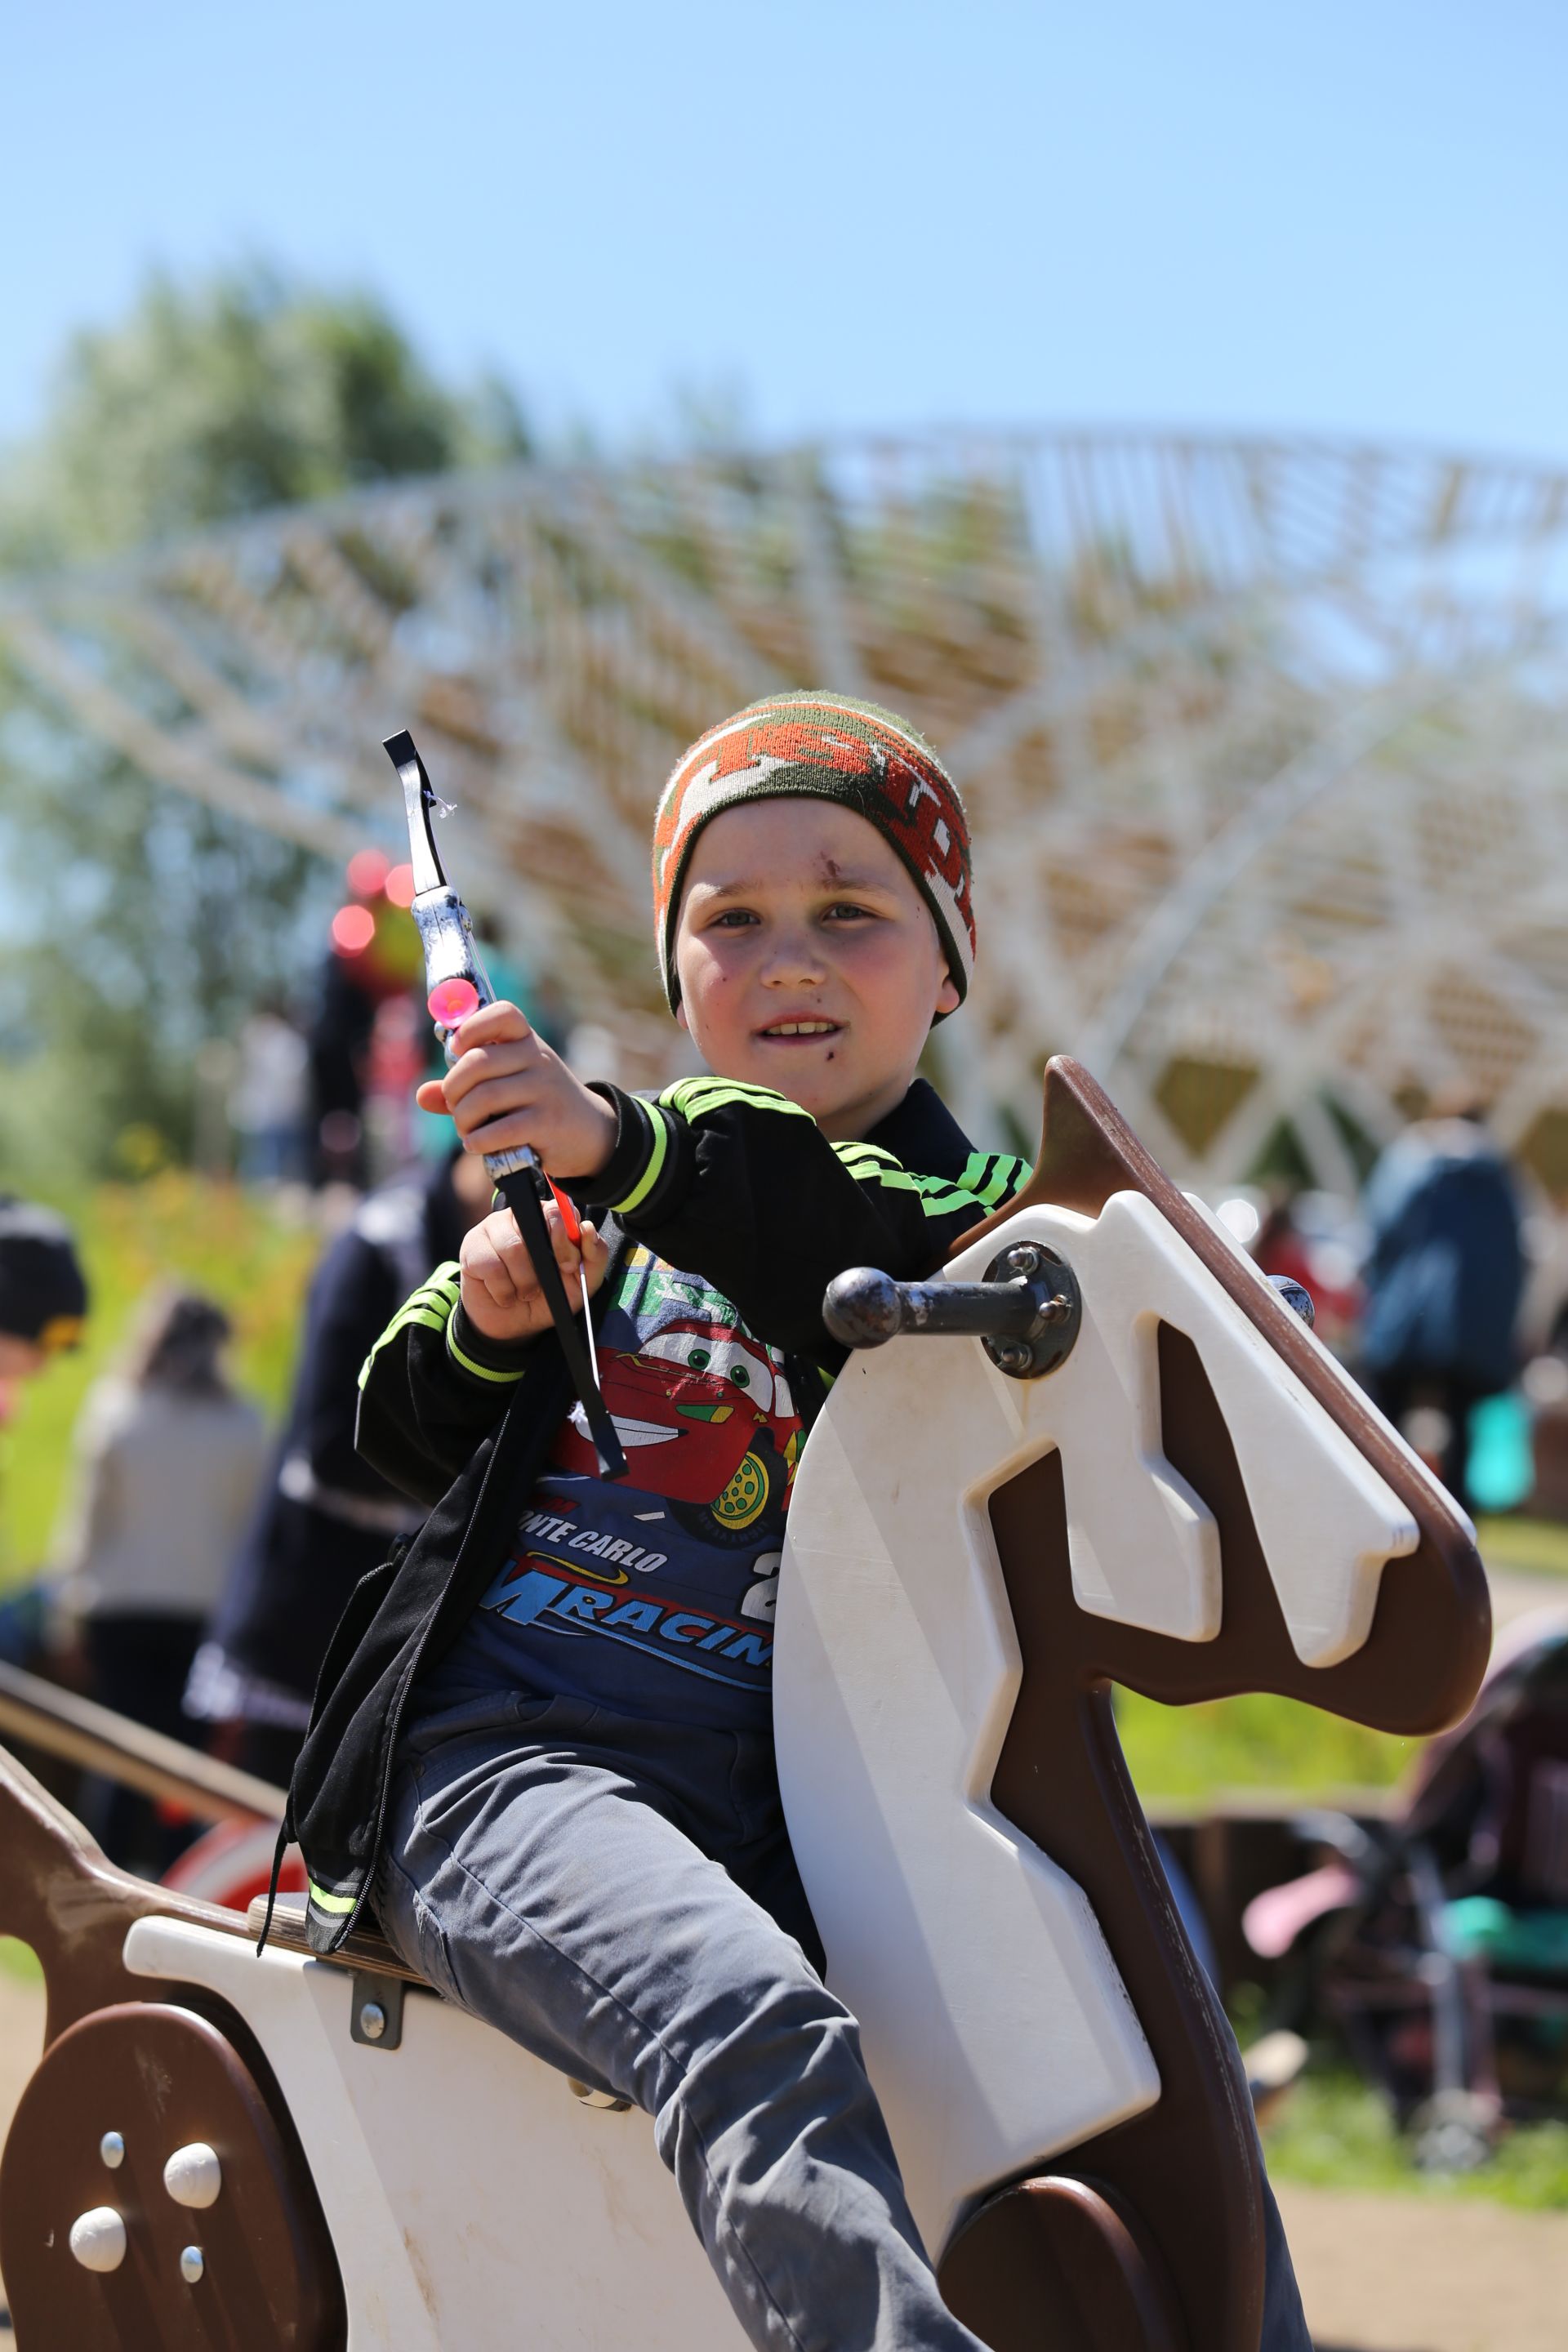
{"type": "Point", "coordinates": [42, 1294]}
{"type": "Point", "coordinates": [828, 748]}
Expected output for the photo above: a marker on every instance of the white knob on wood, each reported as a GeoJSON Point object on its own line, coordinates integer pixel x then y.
{"type": "Point", "coordinates": [97, 2239]}
{"type": "Point", "coordinates": [193, 2176]}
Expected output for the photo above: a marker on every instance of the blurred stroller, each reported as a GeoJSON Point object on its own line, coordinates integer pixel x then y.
{"type": "Point", "coordinates": [1436, 1942]}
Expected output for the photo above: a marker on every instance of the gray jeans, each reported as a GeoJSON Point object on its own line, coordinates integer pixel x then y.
{"type": "Point", "coordinates": [551, 1868]}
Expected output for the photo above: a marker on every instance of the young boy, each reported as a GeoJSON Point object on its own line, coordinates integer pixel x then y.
{"type": "Point", "coordinates": [544, 1748]}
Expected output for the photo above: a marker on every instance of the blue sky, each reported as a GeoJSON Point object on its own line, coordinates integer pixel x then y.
{"type": "Point", "coordinates": [1351, 217]}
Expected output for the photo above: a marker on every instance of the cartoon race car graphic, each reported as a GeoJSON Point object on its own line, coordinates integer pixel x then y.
{"type": "Point", "coordinates": [706, 1420]}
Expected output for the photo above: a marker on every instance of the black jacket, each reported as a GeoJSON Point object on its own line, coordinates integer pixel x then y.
{"type": "Point", "coordinates": [733, 1183]}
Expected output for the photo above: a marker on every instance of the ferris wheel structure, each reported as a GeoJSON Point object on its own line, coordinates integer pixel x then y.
{"type": "Point", "coordinates": [1263, 739]}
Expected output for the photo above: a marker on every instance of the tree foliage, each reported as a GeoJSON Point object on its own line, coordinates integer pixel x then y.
{"type": "Point", "coordinates": [138, 922]}
{"type": "Point", "coordinates": [236, 394]}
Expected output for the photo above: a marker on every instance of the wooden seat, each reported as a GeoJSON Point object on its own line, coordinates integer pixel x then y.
{"type": "Point", "coordinates": [363, 1951]}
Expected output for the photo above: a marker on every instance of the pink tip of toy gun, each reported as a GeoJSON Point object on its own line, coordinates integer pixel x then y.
{"type": "Point", "coordinates": [451, 1001]}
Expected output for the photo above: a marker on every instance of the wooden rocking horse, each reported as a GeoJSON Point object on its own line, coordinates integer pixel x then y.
{"type": "Point", "coordinates": [1147, 1473]}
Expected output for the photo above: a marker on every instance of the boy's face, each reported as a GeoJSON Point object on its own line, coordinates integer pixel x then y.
{"type": "Point", "coordinates": [808, 962]}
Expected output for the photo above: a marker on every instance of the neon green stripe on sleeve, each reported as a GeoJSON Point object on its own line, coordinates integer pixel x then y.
{"type": "Point", "coordinates": [412, 1313]}
{"type": "Point", "coordinates": [438, 1298]}
{"type": "Point", "coordinates": [948, 1204]}
{"type": "Point", "coordinates": [442, 1282]}
{"type": "Point", "coordinates": [658, 1152]}
{"type": "Point", "coordinates": [438, 1302]}
{"type": "Point", "coordinates": [867, 1156]}
{"type": "Point", "coordinates": [435, 1318]}
{"type": "Point", "coordinates": [938, 1195]}
{"type": "Point", "coordinates": [992, 1176]}
{"type": "Point", "coordinates": [694, 1098]}
{"type": "Point", "coordinates": [479, 1372]}
{"type": "Point", "coordinates": [705, 1083]}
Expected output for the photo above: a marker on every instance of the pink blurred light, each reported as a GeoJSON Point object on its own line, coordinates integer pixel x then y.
{"type": "Point", "coordinates": [399, 886]}
{"type": "Point", "coordinates": [354, 927]}
{"type": "Point", "coordinates": [367, 873]}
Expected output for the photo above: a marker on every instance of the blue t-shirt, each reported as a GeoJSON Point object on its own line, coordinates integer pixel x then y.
{"type": "Point", "coordinates": [653, 1596]}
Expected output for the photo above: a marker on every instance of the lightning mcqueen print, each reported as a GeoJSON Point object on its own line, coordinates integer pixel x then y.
{"type": "Point", "coordinates": [676, 1567]}
{"type": "Point", "coordinates": [705, 1418]}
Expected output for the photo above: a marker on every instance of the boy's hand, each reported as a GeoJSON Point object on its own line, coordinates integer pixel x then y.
{"type": "Point", "coordinates": [501, 1297]}
{"type": "Point", "coordinates": [507, 1089]}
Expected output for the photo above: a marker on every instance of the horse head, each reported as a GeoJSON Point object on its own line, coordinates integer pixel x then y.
{"type": "Point", "coordinates": [1195, 1502]}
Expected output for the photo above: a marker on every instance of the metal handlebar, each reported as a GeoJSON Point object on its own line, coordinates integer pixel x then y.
{"type": "Point", "coordinates": [1026, 1313]}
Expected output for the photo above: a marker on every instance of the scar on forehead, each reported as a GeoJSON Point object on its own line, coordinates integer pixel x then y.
{"type": "Point", "coordinates": [830, 872]}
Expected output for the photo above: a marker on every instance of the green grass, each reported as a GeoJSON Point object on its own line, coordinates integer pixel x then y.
{"type": "Point", "coordinates": [1255, 1743]}
{"type": "Point", "coordinates": [19, 1961]}
{"type": "Point", "coordinates": [175, 1226]}
{"type": "Point", "coordinates": [1260, 1742]}
{"type": "Point", "coordinates": [1335, 2132]}
{"type": "Point", "coordinates": [1526, 1547]}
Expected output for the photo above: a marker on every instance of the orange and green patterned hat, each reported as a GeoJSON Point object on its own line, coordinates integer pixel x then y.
{"type": "Point", "coordinates": [828, 748]}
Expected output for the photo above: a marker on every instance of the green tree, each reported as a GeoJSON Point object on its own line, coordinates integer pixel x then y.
{"type": "Point", "coordinates": [239, 393]}
{"type": "Point", "coordinates": [211, 400]}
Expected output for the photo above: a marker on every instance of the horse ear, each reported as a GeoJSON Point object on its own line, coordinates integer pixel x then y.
{"type": "Point", "coordinates": [1088, 1151]}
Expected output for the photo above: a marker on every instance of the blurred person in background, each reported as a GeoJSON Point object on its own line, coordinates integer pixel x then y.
{"type": "Point", "coordinates": [43, 1306]}
{"type": "Point", "coordinates": [169, 1460]}
{"type": "Point", "coordinates": [339, 1041]}
{"type": "Point", "coordinates": [374, 956]}
{"type": "Point", "coordinates": [398, 1058]}
{"type": "Point", "coordinates": [324, 1517]}
{"type": "Point", "coordinates": [1444, 1276]}
{"type": "Point", "coordinates": [267, 1107]}
{"type": "Point", "coordinates": [43, 1295]}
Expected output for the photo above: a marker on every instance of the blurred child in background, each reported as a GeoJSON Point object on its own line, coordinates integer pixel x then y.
{"type": "Point", "coordinates": [43, 1297]}
{"type": "Point", "coordinates": [168, 1459]}
{"type": "Point", "coordinates": [43, 1303]}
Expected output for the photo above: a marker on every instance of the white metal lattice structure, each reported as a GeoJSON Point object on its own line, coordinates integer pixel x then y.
{"type": "Point", "coordinates": [1262, 740]}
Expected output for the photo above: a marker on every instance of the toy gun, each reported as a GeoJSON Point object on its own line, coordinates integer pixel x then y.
{"type": "Point", "coordinates": [457, 984]}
